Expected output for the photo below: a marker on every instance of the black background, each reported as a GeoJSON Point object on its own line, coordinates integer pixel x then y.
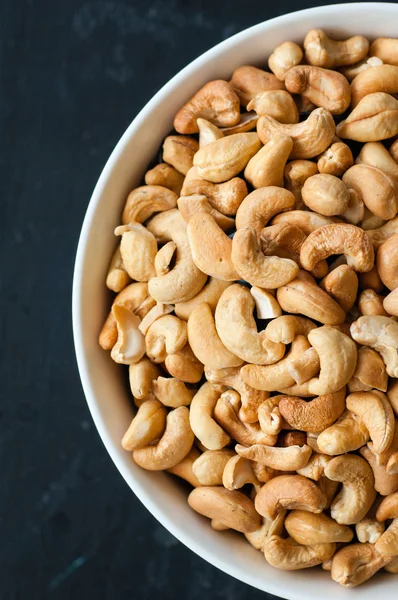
{"type": "Point", "coordinates": [73, 74]}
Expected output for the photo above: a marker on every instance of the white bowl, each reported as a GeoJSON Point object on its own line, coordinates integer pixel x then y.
{"type": "Point", "coordinates": [103, 380]}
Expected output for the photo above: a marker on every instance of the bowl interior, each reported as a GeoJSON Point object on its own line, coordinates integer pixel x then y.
{"type": "Point", "coordinates": [104, 381]}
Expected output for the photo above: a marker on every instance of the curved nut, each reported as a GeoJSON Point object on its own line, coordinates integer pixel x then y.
{"type": "Point", "coordinates": [138, 249]}
{"type": "Point", "coordinates": [387, 262]}
{"type": "Point", "coordinates": [117, 277]}
{"type": "Point", "coordinates": [184, 365]}
{"type": "Point", "coordinates": [377, 189]}
{"type": "Point", "coordinates": [261, 205]}
{"type": "Point", "coordinates": [248, 122]}
{"type": "Point", "coordinates": [309, 528]}
{"type": "Point", "coordinates": [342, 285]}
{"type": "Point", "coordinates": [157, 311]}
{"type": "Point", "coordinates": [376, 155]}
{"type": "Point", "coordinates": [325, 88]}
{"type": "Point", "coordinates": [336, 160]}
{"type": "Point", "coordinates": [374, 118]}
{"type": "Point", "coordinates": [216, 102]}
{"type": "Point", "coordinates": [351, 71]}
{"type": "Point", "coordinates": [305, 367]}
{"type": "Point", "coordinates": [382, 234]}
{"type": "Point", "coordinates": [375, 411]}
{"type": "Point", "coordinates": [315, 467]}
{"type": "Point", "coordinates": [130, 345]}
{"type": "Point", "coordinates": [346, 435]}
{"type": "Point", "coordinates": [173, 446]}
{"type": "Point", "coordinates": [267, 306]}
{"type": "Point", "coordinates": [184, 468]}
{"type": "Point", "coordinates": [190, 205]}
{"type": "Point", "coordinates": [290, 492]}
{"type": "Point", "coordinates": [290, 458]}
{"type": "Point", "coordinates": [232, 508]}
{"type": "Point", "coordinates": [357, 495]}
{"type": "Point", "coordinates": [266, 167]}
{"type": "Point", "coordinates": [164, 258]}
{"type": "Point", "coordinates": [201, 418]}
{"type": "Point", "coordinates": [179, 150]}
{"type": "Point", "coordinates": [210, 293]}
{"type": "Point", "coordinates": [388, 543]}
{"type": "Point", "coordinates": [225, 158]}
{"type": "Point", "coordinates": [254, 267]}
{"type": "Point", "coordinates": [310, 137]}
{"type": "Point", "coordinates": [288, 556]}
{"type": "Point", "coordinates": [275, 527]}
{"type": "Point", "coordinates": [381, 334]}
{"type": "Point", "coordinates": [369, 530]}
{"type": "Point", "coordinates": [224, 197]}
{"type": "Point", "coordinates": [386, 49]}
{"type": "Point", "coordinates": [143, 201]}
{"type": "Point", "coordinates": [325, 194]}
{"type": "Point", "coordinates": [370, 303]}
{"type": "Point", "coordinates": [356, 563]}
{"type": "Point", "coordinates": [356, 209]}
{"type": "Point", "coordinates": [209, 466]}
{"type": "Point", "coordinates": [338, 238]}
{"type": "Point", "coordinates": [276, 376]}
{"type": "Point", "coordinates": [305, 220]}
{"type": "Point", "coordinates": [249, 81]}
{"type": "Point", "coordinates": [166, 176]}
{"type": "Point", "coordinates": [304, 296]}
{"type": "Point", "coordinates": [370, 372]}
{"type": "Point", "coordinates": [236, 307]}
{"type": "Point", "coordinates": [205, 341]}
{"type": "Point", "coordinates": [284, 57]}
{"type": "Point", "coordinates": [270, 418]}
{"type": "Point", "coordinates": [211, 248]}
{"type": "Point", "coordinates": [383, 78]}
{"type": "Point", "coordinates": [296, 174]}
{"type": "Point", "coordinates": [207, 132]}
{"type": "Point", "coordinates": [277, 104]}
{"type": "Point", "coordinates": [141, 377]}
{"type": "Point", "coordinates": [184, 280]}
{"type": "Point", "coordinates": [390, 304]}
{"type": "Point", "coordinates": [313, 416]}
{"type": "Point", "coordinates": [384, 483]}
{"type": "Point", "coordinates": [323, 51]}
{"type": "Point", "coordinates": [172, 392]}
{"type": "Point", "coordinates": [388, 508]}
{"type": "Point", "coordinates": [147, 426]}
{"type": "Point", "coordinates": [237, 473]}
{"type": "Point", "coordinates": [285, 328]}
{"type": "Point", "coordinates": [166, 335]}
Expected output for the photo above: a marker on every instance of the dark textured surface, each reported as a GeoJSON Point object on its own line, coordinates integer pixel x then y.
{"type": "Point", "coordinates": [72, 76]}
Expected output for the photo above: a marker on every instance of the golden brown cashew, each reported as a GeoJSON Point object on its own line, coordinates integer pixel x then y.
{"type": "Point", "coordinates": [342, 285]}
{"type": "Point", "coordinates": [305, 220]}
{"type": "Point", "coordinates": [305, 367]}
{"type": "Point", "coordinates": [383, 78]}
{"type": "Point", "coordinates": [269, 416]}
{"type": "Point", "coordinates": [141, 377]}
{"type": "Point", "coordinates": [369, 530]}
{"type": "Point", "coordinates": [313, 416]}
{"type": "Point", "coordinates": [390, 303]}
{"type": "Point", "coordinates": [143, 201]}
{"type": "Point", "coordinates": [385, 49]}
{"type": "Point", "coordinates": [377, 189]}
{"type": "Point", "coordinates": [304, 296]}
{"type": "Point", "coordinates": [385, 483]}
{"type": "Point", "coordinates": [375, 411]}
{"type": "Point", "coordinates": [289, 458]}
{"type": "Point", "coordinates": [375, 118]}
{"type": "Point", "coordinates": [179, 150]}
{"type": "Point", "coordinates": [237, 473]}
{"type": "Point", "coordinates": [284, 57]}
{"type": "Point", "coordinates": [224, 197]}
{"type": "Point", "coordinates": [249, 81]}
{"type": "Point", "coordinates": [172, 392]}
{"type": "Point", "coordinates": [130, 345]}
{"type": "Point", "coordinates": [248, 122]}
{"type": "Point", "coordinates": [370, 372]}
{"type": "Point", "coordinates": [315, 467]}
{"type": "Point", "coordinates": [356, 563]}
{"type": "Point", "coordinates": [166, 335]}
{"type": "Point", "coordinates": [160, 310]}
{"type": "Point", "coordinates": [274, 377]}
{"type": "Point", "coordinates": [388, 542]}
{"type": "Point", "coordinates": [387, 262]}
{"type": "Point", "coordinates": [310, 137]}
{"type": "Point", "coordinates": [236, 307]}
{"type": "Point", "coordinates": [232, 508]}
{"type": "Point", "coordinates": [323, 51]}
{"type": "Point", "coordinates": [309, 528]}
{"type": "Point", "coordinates": [285, 328]}
{"type": "Point", "coordinates": [147, 426]}
{"type": "Point", "coordinates": [261, 205]}
{"type": "Point", "coordinates": [338, 238]}
{"type": "Point", "coordinates": [225, 158]}
{"type": "Point", "coordinates": [201, 418]}
{"type": "Point", "coordinates": [210, 293]}
{"type": "Point", "coordinates": [382, 234]}
{"type": "Point", "coordinates": [117, 277]}
{"type": "Point", "coordinates": [325, 88]}
{"type": "Point", "coordinates": [216, 101]}
{"type": "Point", "coordinates": [208, 132]}
{"type": "Point", "coordinates": [266, 167]}
{"type": "Point", "coordinates": [296, 174]}
{"type": "Point", "coordinates": [370, 303]}
{"type": "Point", "coordinates": [290, 492]}
{"type": "Point", "coordinates": [255, 267]}
{"type": "Point", "coordinates": [357, 494]}
{"type": "Point", "coordinates": [184, 365]}
{"type": "Point", "coordinates": [370, 280]}
{"type": "Point", "coordinates": [336, 159]}
{"type": "Point", "coordinates": [381, 334]}
{"type": "Point", "coordinates": [268, 528]}
{"type": "Point", "coordinates": [184, 468]}
{"type": "Point", "coordinates": [376, 155]}
{"type": "Point", "coordinates": [288, 556]}
{"type": "Point", "coordinates": [351, 71]}
{"type": "Point", "coordinates": [277, 104]}
{"type": "Point", "coordinates": [166, 176]}
{"type": "Point", "coordinates": [197, 203]}
{"type": "Point", "coordinates": [184, 280]}
{"type": "Point", "coordinates": [205, 341]}
{"type": "Point", "coordinates": [173, 446]}
{"type": "Point", "coordinates": [392, 395]}
{"type": "Point", "coordinates": [138, 249]}
{"type": "Point", "coordinates": [209, 466]}
{"type": "Point", "coordinates": [346, 435]}
{"type": "Point", "coordinates": [326, 195]}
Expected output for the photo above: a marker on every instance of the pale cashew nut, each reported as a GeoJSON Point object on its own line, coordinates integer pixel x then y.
{"type": "Point", "coordinates": [388, 543]}
{"type": "Point", "coordinates": [255, 267]}
{"type": "Point", "coordinates": [313, 416]}
{"type": "Point", "coordinates": [289, 556]}
{"type": "Point", "coordinates": [309, 528]}
{"type": "Point", "coordinates": [323, 51]}
{"type": "Point", "coordinates": [208, 132]}
{"type": "Point", "coordinates": [261, 205]}
{"type": "Point", "coordinates": [369, 530]}
{"type": "Point", "coordinates": [342, 285]}
{"type": "Point", "coordinates": [355, 212]}
{"type": "Point", "coordinates": [172, 392]}
{"type": "Point", "coordinates": [384, 483]}
{"type": "Point", "coordinates": [277, 104]}
{"type": "Point", "coordinates": [377, 189]}
{"type": "Point", "coordinates": [381, 334]}
{"type": "Point", "coordinates": [184, 468]}
{"type": "Point", "coordinates": [376, 155]}
{"type": "Point", "coordinates": [249, 81]}
{"type": "Point", "coordinates": [285, 328]}
{"type": "Point", "coordinates": [325, 88]}
{"type": "Point", "coordinates": [141, 377]}
{"type": "Point", "coordinates": [205, 341]}
{"type": "Point", "coordinates": [232, 508]}
{"type": "Point", "coordinates": [164, 258]}
{"type": "Point", "coordinates": [143, 201]}
{"type": "Point", "coordinates": [346, 435]}
{"type": "Point", "coordinates": [325, 194]}
{"type": "Point", "coordinates": [197, 203]}
{"type": "Point", "coordinates": [138, 249]}
{"type": "Point", "coordinates": [224, 197]}
{"type": "Point", "coordinates": [269, 416]}
{"type": "Point", "coordinates": [147, 426]}
{"type": "Point", "coordinates": [248, 122]}
{"type": "Point", "coordinates": [184, 365]}
{"type": "Point", "coordinates": [173, 446]}
{"type": "Point", "coordinates": [284, 57]}
{"type": "Point", "coordinates": [267, 306]}
{"type": "Point", "coordinates": [166, 176]}
{"type": "Point", "coordinates": [268, 528]}
{"type": "Point", "coordinates": [305, 367]}
{"type": "Point", "coordinates": [315, 466]}
{"type": "Point", "coordinates": [178, 151]}
{"type": "Point", "coordinates": [370, 372]}
{"type": "Point", "coordinates": [209, 466]}
{"type": "Point", "coordinates": [336, 160]}
{"type": "Point", "coordinates": [117, 277]}
{"type": "Point", "coordinates": [210, 293]}
{"type": "Point", "coordinates": [166, 335]}
{"type": "Point", "coordinates": [387, 262]}
{"type": "Point", "coordinates": [375, 411]}
{"type": "Point", "coordinates": [310, 137]}
{"type": "Point", "coordinates": [266, 167]}
{"type": "Point", "coordinates": [381, 79]}
{"type": "Point", "coordinates": [237, 328]}
{"type": "Point", "coordinates": [210, 434]}
{"type": "Point", "coordinates": [371, 304]}
{"type": "Point", "coordinates": [290, 492]}
{"type": "Point", "coordinates": [356, 563]}
{"type": "Point", "coordinates": [357, 495]}
{"type": "Point", "coordinates": [130, 345]}
{"type": "Point", "coordinates": [289, 458]}
{"type": "Point", "coordinates": [184, 280]}
{"type": "Point", "coordinates": [307, 221]}
{"type": "Point", "coordinates": [216, 102]}
{"type": "Point", "coordinates": [237, 473]}
{"type": "Point", "coordinates": [160, 310]}
{"type": "Point", "coordinates": [373, 119]}
{"type": "Point", "coordinates": [296, 174]}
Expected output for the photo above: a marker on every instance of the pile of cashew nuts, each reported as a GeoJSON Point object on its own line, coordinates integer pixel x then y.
{"type": "Point", "coordinates": [257, 303]}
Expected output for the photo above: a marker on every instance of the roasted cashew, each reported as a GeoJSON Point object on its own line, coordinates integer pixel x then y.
{"type": "Point", "coordinates": [373, 119]}
{"type": "Point", "coordinates": [184, 280]}
{"type": "Point", "coordinates": [266, 167]}
{"type": "Point", "coordinates": [326, 195]}
{"type": "Point", "coordinates": [285, 328]}
{"type": "Point", "coordinates": [325, 88]}
{"type": "Point", "coordinates": [166, 176]}
{"type": "Point", "coordinates": [207, 132]}
{"type": "Point", "coordinates": [383, 78]}
{"type": "Point", "coordinates": [288, 556]}
{"type": "Point", "coordinates": [269, 416]}
{"type": "Point", "coordinates": [166, 335]}
{"type": "Point", "coordinates": [209, 466]}
{"type": "Point", "coordinates": [385, 49]}
{"type": "Point", "coordinates": [309, 528]}
{"type": "Point", "coordinates": [323, 51]}
{"type": "Point", "coordinates": [141, 377]}
{"type": "Point", "coordinates": [248, 122]}
{"type": "Point", "coordinates": [237, 473]}
{"type": "Point", "coordinates": [375, 411]}
{"type": "Point", "coordinates": [296, 174]}
{"type": "Point", "coordinates": [143, 201]}
{"type": "Point", "coordinates": [130, 345]}
{"type": "Point", "coordinates": [249, 81]}
{"type": "Point", "coordinates": [305, 220]}
{"type": "Point", "coordinates": [201, 418]}
{"type": "Point", "coordinates": [377, 189]}
{"type": "Point", "coordinates": [381, 334]}
{"type": "Point", "coordinates": [369, 530]}
{"type": "Point", "coordinates": [268, 528]}
{"type": "Point", "coordinates": [210, 293]}
{"type": "Point", "coordinates": [157, 311]}
{"type": "Point", "coordinates": [371, 304]}
{"type": "Point", "coordinates": [291, 438]}
{"type": "Point", "coordinates": [387, 262]}
{"type": "Point", "coordinates": [305, 367]}
{"type": "Point", "coordinates": [284, 57]}
{"type": "Point", "coordinates": [216, 101]}
{"type": "Point", "coordinates": [315, 466]}
{"type": "Point", "coordinates": [384, 483]}
{"type": "Point", "coordinates": [164, 258]}
{"type": "Point", "coordinates": [261, 205]}
{"type": "Point", "coordinates": [392, 395]}
{"type": "Point", "coordinates": [310, 137]}
{"type": "Point", "coordinates": [371, 280]}
{"type": "Point", "coordinates": [346, 435]}
{"type": "Point", "coordinates": [390, 303]}
{"type": "Point", "coordinates": [388, 543]}
{"type": "Point", "coordinates": [289, 458]}
{"type": "Point", "coordinates": [313, 416]}
{"type": "Point", "coordinates": [267, 306]}
{"type": "Point", "coordinates": [336, 159]}
{"type": "Point", "coordinates": [197, 203]}
{"type": "Point", "coordinates": [376, 155]}
{"type": "Point", "coordinates": [290, 492]}
{"type": "Point", "coordinates": [356, 563]}
{"type": "Point", "coordinates": [277, 104]}
{"type": "Point", "coordinates": [370, 372]}
{"type": "Point", "coordinates": [224, 197]}
{"type": "Point", "coordinates": [147, 426]}
{"type": "Point", "coordinates": [382, 234]}
{"type": "Point", "coordinates": [117, 277]}
{"type": "Point", "coordinates": [178, 151]}
{"type": "Point", "coordinates": [184, 468]}
{"type": "Point", "coordinates": [351, 71]}
{"type": "Point", "coordinates": [172, 392]}
{"type": "Point", "coordinates": [342, 285]}
{"type": "Point", "coordinates": [184, 365]}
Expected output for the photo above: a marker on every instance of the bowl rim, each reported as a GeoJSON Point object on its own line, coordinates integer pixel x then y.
{"type": "Point", "coordinates": [77, 324]}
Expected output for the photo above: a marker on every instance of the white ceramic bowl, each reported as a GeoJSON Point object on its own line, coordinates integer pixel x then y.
{"type": "Point", "coordinates": [103, 381]}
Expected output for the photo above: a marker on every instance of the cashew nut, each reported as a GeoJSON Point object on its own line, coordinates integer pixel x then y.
{"type": "Point", "coordinates": [336, 160]}
{"type": "Point", "coordinates": [375, 411]}
{"type": "Point", "coordinates": [383, 78]}
{"type": "Point", "coordinates": [172, 392]}
{"type": "Point", "coordinates": [374, 118]}
{"type": "Point", "coordinates": [268, 528]}
{"type": "Point", "coordinates": [130, 345]}
{"type": "Point", "coordinates": [267, 306]}
{"type": "Point", "coordinates": [285, 328]}
{"type": "Point", "coordinates": [387, 262]}
{"type": "Point", "coordinates": [261, 205]}
{"type": "Point", "coordinates": [386, 49]}
{"type": "Point", "coordinates": [201, 418]}
{"type": "Point", "coordinates": [369, 530]}
{"type": "Point", "coordinates": [313, 416]}
{"type": "Point", "coordinates": [323, 51]}
{"type": "Point", "coordinates": [209, 466]}
{"type": "Point", "coordinates": [384, 483]}
{"type": "Point", "coordinates": [356, 563]}
{"type": "Point", "coordinates": [351, 71]}
{"type": "Point", "coordinates": [305, 220]}
{"type": "Point", "coordinates": [141, 377]}
{"type": "Point", "coordinates": [138, 249]}
{"type": "Point", "coordinates": [390, 303]}
{"type": "Point", "coordinates": [370, 303]}
{"type": "Point", "coordinates": [295, 174]}
{"type": "Point", "coordinates": [305, 367]}
{"type": "Point", "coordinates": [184, 468]}
{"type": "Point", "coordinates": [382, 234]}
{"type": "Point", "coordinates": [166, 335]}
{"type": "Point", "coordinates": [248, 122]}
{"type": "Point", "coordinates": [248, 81]}
{"type": "Point", "coordinates": [237, 473]}
{"type": "Point", "coordinates": [342, 285]}
{"type": "Point", "coordinates": [376, 155]}
{"type": "Point", "coordinates": [117, 277]}
{"type": "Point", "coordinates": [381, 334]}
{"type": "Point", "coordinates": [147, 426]}
{"type": "Point", "coordinates": [325, 88]}
{"type": "Point", "coordinates": [284, 57]}
{"type": "Point", "coordinates": [178, 151]}
{"type": "Point", "coordinates": [207, 132]}
{"type": "Point", "coordinates": [190, 205]}
{"type": "Point", "coordinates": [315, 467]}
{"type": "Point", "coordinates": [166, 176]}
{"type": "Point", "coordinates": [164, 258]}
{"type": "Point", "coordinates": [277, 104]}
{"type": "Point", "coordinates": [266, 167]}
{"type": "Point", "coordinates": [288, 556]}
{"type": "Point", "coordinates": [289, 458]}
{"type": "Point", "coordinates": [290, 492]}
{"type": "Point", "coordinates": [184, 365]}
{"type": "Point", "coordinates": [210, 294]}
{"type": "Point", "coordinates": [346, 435]}
{"type": "Point", "coordinates": [160, 310]}
{"type": "Point", "coordinates": [143, 201]}
{"type": "Point", "coordinates": [308, 528]}
{"type": "Point", "coordinates": [325, 194]}
{"type": "Point", "coordinates": [370, 372]}
{"type": "Point", "coordinates": [377, 189]}
{"type": "Point", "coordinates": [224, 197]}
